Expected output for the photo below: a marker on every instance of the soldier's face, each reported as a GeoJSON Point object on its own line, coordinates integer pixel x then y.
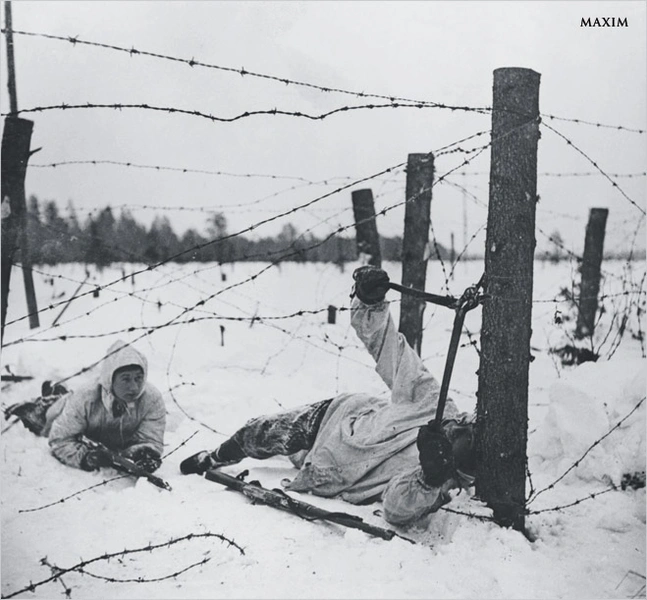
{"type": "Point", "coordinates": [128, 384]}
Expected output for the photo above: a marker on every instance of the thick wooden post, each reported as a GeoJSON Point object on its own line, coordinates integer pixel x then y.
{"type": "Point", "coordinates": [420, 178]}
{"type": "Point", "coordinates": [502, 407]}
{"type": "Point", "coordinates": [16, 138]}
{"type": "Point", "coordinates": [17, 201]}
{"type": "Point", "coordinates": [368, 240]}
{"type": "Point", "coordinates": [590, 272]}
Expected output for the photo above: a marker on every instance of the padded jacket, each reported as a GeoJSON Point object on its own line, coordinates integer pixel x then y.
{"type": "Point", "coordinates": [365, 449]}
{"type": "Point", "coordinates": [88, 411]}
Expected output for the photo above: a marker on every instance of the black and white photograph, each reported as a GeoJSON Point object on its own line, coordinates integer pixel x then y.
{"type": "Point", "coordinates": [308, 299]}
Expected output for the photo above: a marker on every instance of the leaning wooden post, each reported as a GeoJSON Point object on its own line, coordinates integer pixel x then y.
{"type": "Point", "coordinates": [368, 240]}
{"type": "Point", "coordinates": [590, 272]}
{"type": "Point", "coordinates": [420, 178]}
{"type": "Point", "coordinates": [502, 407]}
{"type": "Point", "coordinates": [16, 138]}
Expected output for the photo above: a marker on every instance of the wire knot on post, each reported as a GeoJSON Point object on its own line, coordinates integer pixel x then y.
{"type": "Point", "coordinates": [470, 299]}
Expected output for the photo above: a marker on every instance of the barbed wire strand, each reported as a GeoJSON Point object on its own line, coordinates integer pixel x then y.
{"type": "Point", "coordinates": [244, 72]}
{"type": "Point", "coordinates": [579, 460]}
{"type": "Point", "coordinates": [213, 118]}
{"type": "Point", "coordinates": [132, 51]}
{"type": "Point", "coordinates": [588, 158]}
{"type": "Point", "coordinates": [224, 238]}
{"type": "Point", "coordinates": [252, 227]}
{"type": "Point", "coordinates": [61, 500]}
{"type": "Point", "coordinates": [107, 556]}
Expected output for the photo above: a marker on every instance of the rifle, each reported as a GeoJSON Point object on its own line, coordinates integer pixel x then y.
{"type": "Point", "coordinates": [121, 463]}
{"type": "Point", "coordinates": [279, 499]}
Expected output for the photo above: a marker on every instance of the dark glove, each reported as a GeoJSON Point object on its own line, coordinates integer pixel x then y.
{"type": "Point", "coordinates": [147, 458]}
{"type": "Point", "coordinates": [436, 454]}
{"type": "Point", "coordinates": [95, 459]}
{"type": "Point", "coordinates": [371, 284]}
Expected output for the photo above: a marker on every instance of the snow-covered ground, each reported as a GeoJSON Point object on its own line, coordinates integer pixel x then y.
{"type": "Point", "coordinates": [215, 373]}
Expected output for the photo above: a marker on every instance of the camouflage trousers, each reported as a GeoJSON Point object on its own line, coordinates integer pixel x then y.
{"type": "Point", "coordinates": [33, 413]}
{"type": "Point", "coordinates": [284, 433]}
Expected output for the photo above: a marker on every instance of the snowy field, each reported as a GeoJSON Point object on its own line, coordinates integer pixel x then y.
{"type": "Point", "coordinates": [223, 368]}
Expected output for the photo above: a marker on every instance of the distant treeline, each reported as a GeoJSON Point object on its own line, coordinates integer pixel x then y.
{"type": "Point", "coordinates": [104, 238]}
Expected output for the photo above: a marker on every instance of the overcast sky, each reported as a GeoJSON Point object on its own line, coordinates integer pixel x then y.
{"type": "Point", "coordinates": [436, 51]}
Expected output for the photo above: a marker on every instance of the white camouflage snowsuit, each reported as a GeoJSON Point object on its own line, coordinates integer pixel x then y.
{"type": "Point", "coordinates": [365, 447]}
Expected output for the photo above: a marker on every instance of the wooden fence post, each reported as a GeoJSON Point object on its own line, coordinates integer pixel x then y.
{"type": "Point", "coordinates": [16, 138]}
{"type": "Point", "coordinates": [590, 272]}
{"type": "Point", "coordinates": [502, 407]}
{"type": "Point", "coordinates": [368, 240]}
{"type": "Point", "coordinates": [420, 178]}
{"type": "Point", "coordinates": [14, 187]}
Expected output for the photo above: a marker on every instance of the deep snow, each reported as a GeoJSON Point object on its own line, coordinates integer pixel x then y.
{"type": "Point", "coordinates": [594, 549]}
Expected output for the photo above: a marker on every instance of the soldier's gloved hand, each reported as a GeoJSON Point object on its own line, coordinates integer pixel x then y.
{"type": "Point", "coordinates": [371, 284]}
{"type": "Point", "coordinates": [94, 459]}
{"type": "Point", "coordinates": [147, 458]}
{"type": "Point", "coordinates": [435, 454]}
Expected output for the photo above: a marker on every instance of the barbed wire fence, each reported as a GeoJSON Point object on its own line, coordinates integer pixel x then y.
{"type": "Point", "coordinates": [628, 313]}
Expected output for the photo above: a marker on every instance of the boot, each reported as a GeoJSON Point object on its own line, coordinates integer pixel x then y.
{"type": "Point", "coordinates": [203, 461]}
{"type": "Point", "coordinates": [32, 414]}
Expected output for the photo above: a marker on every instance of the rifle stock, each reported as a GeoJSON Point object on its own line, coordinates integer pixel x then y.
{"type": "Point", "coordinates": [279, 499]}
{"type": "Point", "coordinates": [121, 463]}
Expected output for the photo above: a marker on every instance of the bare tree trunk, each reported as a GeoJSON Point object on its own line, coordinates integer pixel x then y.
{"type": "Point", "coordinates": [420, 178]}
{"type": "Point", "coordinates": [502, 408]}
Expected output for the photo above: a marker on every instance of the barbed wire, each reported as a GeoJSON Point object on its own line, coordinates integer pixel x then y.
{"type": "Point", "coordinates": [213, 315]}
{"type": "Point", "coordinates": [143, 579]}
{"type": "Point", "coordinates": [591, 174]}
{"type": "Point", "coordinates": [213, 208]}
{"type": "Point", "coordinates": [132, 165]}
{"type": "Point", "coordinates": [583, 122]}
{"type": "Point", "coordinates": [566, 174]}
{"type": "Point", "coordinates": [208, 208]}
{"type": "Point", "coordinates": [296, 252]}
{"type": "Point", "coordinates": [132, 51]}
{"type": "Point", "coordinates": [469, 194]}
{"type": "Point", "coordinates": [227, 237]}
{"type": "Point", "coordinates": [107, 556]}
{"type": "Point", "coordinates": [573, 255]}
{"type": "Point", "coordinates": [576, 464]}
{"type": "Point", "coordinates": [121, 295]}
{"type": "Point", "coordinates": [54, 569]}
{"type": "Point", "coordinates": [214, 118]}
{"type": "Point", "coordinates": [588, 158]}
{"type": "Point", "coordinates": [244, 72]}
{"type": "Point", "coordinates": [268, 220]}
{"type": "Point", "coordinates": [324, 240]}
{"type": "Point", "coordinates": [334, 232]}
{"type": "Point", "coordinates": [61, 500]}
{"type": "Point", "coordinates": [183, 443]}
{"type": "Point", "coordinates": [591, 496]}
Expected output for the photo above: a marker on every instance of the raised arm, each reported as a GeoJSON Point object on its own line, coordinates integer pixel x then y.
{"type": "Point", "coordinates": [396, 362]}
